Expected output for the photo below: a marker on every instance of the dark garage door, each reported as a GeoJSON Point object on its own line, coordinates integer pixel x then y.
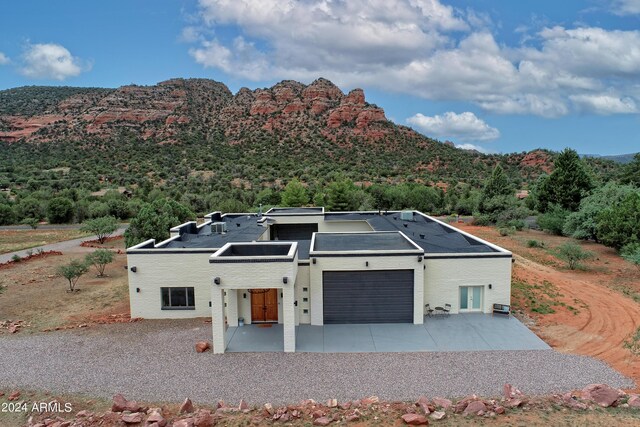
{"type": "Point", "coordinates": [371, 296]}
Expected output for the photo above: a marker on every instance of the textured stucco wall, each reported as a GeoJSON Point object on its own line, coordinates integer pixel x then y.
{"type": "Point", "coordinates": [444, 277]}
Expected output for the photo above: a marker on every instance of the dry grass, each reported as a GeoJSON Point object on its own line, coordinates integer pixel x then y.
{"type": "Point", "coordinates": [17, 240]}
{"type": "Point", "coordinates": [33, 293]}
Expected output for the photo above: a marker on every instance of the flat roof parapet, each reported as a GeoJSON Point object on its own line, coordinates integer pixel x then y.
{"type": "Point", "coordinates": [296, 211]}
{"type": "Point", "coordinates": [256, 252]}
{"type": "Point", "coordinates": [365, 242]}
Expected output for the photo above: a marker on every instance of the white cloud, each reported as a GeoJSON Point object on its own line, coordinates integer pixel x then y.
{"type": "Point", "coordinates": [423, 48]}
{"type": "Point", "coordinates": [626, 7]}
{"type": "Point", "coordinates": [605, 104]}
{"type": "Point", "coordinates": [464, 126]}
{"type": "Point", "coordinates": [4, 59]}
{"type": "Point", "coordinates": [473, 147]}
{"type": "Point", "coordinates": [50, 61]}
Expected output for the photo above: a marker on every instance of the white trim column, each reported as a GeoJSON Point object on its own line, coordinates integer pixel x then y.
{"type": "Point", "coordinates": [289, 317]}
{"type": "Point", "coordinates": [217, 319]}
{"type": "Point", "coordinates": [232, 307]}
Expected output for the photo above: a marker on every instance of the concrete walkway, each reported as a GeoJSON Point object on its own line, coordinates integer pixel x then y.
{"type": "Point", "coordinates": [63, 246]}
{"type": "Point", "coordinates": [460, 332]}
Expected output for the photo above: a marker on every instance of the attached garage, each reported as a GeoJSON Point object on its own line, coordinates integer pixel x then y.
{"type": "Point", "coordinates": [368, 296]}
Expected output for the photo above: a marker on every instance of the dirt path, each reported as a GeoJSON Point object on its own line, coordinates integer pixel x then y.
{"type": "Point", "coordinates": [595, 320]}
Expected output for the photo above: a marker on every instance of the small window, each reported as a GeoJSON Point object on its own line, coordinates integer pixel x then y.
{"type": "Point", "coordinates": [305, 311]}
{"type": "Point", "coordinates": [305, 289]}
{"type": "Point", "coordinates": [305, 299]}
{"type": "Point", "coordinates": [178, 298]}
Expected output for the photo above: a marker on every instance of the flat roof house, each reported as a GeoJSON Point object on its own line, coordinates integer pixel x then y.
{"type": "Point", "coordinates": [307, 266]}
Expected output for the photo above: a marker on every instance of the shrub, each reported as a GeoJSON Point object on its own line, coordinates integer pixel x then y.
{"type": "Point", "coordinates": [481, 219]}
{"type": "Point", "coordinates": [16, 258]}
{"type": "Point", "coordinates": [507, 231]}
{"type": "Point", "coordinates": [102, 227]}
{"type": "Point", "coordinates": [60, 210]}
{"type": "Point", "coordinates": [572, 253]}
{"type": "Point", "coordinates": [631, 252]}
{"type": "Point", "coordinates": [535, 244]}
{"type": "Point", "coordinates": [99, 259]}
{"type": "Point", "coordinates": [72, 272]}
{"type": "Point", "coordinates": [553, 220]}
{"type": "Point", "coordinates": [31, 222]}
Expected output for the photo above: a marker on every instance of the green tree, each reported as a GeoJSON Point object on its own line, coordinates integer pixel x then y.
{"type": "Point", "coordinates": [497, 184]}
{"type": "Point", "coordinates": [631, 252]}
{"type": "Point", "coordinates": [29, 207]}
{"type": "Point", "coordinates": [6, 215]}
{"type": "Point", "coordinates": [567, 185]}
{"type": "Point", "coordinates": [619, 225]}
{"type": "Point", "coordinates": [99, 259]}
{"type": "Point", "coordinates": [583, 223]}
{"type": "Point", "coordinates": [294, 194]}
{"type": "Point", "coordinates": [631, 172]}
{"type": "Point", "coordinates": [342, 195]}
{"type": "Point", "coordinates": [31, 222]}
{"type": "Point", "coordinates": [572, 253]}
{"type": "Point", "coordinates": [155, 219]}
{"type": "Point", "coordinates": [98, 209]}
{"type": "Point", "coordinates": [60, 210]}
{"type": "Point", "coordinates": [553, 220]}
{"type": "Point", "coordinates": [72, 272]}
{"type": "Point", "coordinates": [102, 227]}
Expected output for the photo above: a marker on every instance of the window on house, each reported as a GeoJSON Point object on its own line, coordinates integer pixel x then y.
{"type": "Point", "coordinates": [178, 299]}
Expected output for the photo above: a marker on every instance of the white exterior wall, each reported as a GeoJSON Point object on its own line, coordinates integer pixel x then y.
{"type": "Point", "coordinates": [302, 282]}
{"type": "Point", "coordinates": [343, 226]}
{"type": "Point", "coordinates": [350, 263]}
{"type": "Point", "coordinates": [236, 276]}
{"type": "Point", "coordinates": [444, 277]}
{"type": "Point", "coordinates": [158, 270]}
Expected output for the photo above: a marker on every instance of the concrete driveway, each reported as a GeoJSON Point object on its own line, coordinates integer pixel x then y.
{"type": "Point", "coordinates": [459, 332]}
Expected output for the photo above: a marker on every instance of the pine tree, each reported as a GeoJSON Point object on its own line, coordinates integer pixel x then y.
{"type": "Point", "coordinates": [567, 185]}
{"type": "Point", "coordinates": [294, 194]}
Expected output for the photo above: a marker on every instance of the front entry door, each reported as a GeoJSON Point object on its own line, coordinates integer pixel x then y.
{"type": "Point", "coordinates": [471, 298]}
{"type": "Point", "coordinates": [264, 305]}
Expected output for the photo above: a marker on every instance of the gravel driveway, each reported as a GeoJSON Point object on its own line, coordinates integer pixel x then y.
{"type": "Point", "coordinates": [155, 361]}
{"type": "Point", "coordinates": [63, 246]}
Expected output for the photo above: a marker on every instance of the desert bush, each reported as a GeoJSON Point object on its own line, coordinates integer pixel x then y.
{"type": "Point", "coordinates": [102, 227]}
{"type": "Point", "coordinates": [553, 220]}
{"type": "Point", "coordinates": [572, 253]}
{"type": "Point", "coordinates": [72, 272]}
{"type": "Point", "coordinates": [99, 259]}
{"type": "Point", "coordinates": [506, 231]}
{"type": "Point", "coordinates": [631, 252]}
{"type": "Point", "coordinates": [535, 244]}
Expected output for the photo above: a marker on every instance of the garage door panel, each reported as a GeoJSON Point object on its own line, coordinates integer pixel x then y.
{"type": "Point", "coordinates": [371, 296]}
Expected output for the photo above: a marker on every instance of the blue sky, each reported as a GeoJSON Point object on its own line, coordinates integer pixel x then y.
{"type": "Point", "coordinates": [497, 75]}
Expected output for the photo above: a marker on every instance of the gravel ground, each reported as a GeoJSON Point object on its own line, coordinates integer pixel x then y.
{"type": "Point", "coordinates": [155, 361]}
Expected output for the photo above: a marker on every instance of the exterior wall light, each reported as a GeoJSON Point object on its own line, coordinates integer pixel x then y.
{"type": "Point", "coordinates": [285, 279]}
{"type": "Point", "coordinates": [313, 260]}
{"type": "Point", "coordinates": [366, 263]}
{"type": "Point", "coordinates": [138, 290]}
{"type": "Point", "coordinates": [216, 280]}
{"type": "Point", "coordinates": [419, 258]}
{"type": "Point", "coordinates": [134, 268]}
{"type": "Point", "coordinates": [490, 286]}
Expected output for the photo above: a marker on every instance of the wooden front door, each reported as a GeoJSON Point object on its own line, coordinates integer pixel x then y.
{"type": "Point", "coordinates": [264, 305]}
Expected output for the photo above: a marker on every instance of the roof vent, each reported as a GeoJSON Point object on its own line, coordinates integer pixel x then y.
{"type": "Point", "coordinates": [219, 227]}
{"type": "Point", "coordinates": [406, 215]}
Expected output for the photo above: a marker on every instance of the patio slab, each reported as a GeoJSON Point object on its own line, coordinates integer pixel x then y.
{"type": "Point", "coordinates": [457, 332]}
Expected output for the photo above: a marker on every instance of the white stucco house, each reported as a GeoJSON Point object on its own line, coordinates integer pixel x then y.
{"type": "Point", "coordinates": [307, 266]}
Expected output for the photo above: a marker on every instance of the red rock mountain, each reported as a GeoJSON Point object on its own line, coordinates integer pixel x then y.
{"type": "Point", "coordinates": [175, 107]}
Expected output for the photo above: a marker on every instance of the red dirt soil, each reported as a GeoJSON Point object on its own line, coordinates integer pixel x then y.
{"type": "Point", "coordinates": [605, 317]}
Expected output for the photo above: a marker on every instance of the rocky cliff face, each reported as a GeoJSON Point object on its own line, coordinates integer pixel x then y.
{"type": "Point", "coordinates": [166, 110]}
